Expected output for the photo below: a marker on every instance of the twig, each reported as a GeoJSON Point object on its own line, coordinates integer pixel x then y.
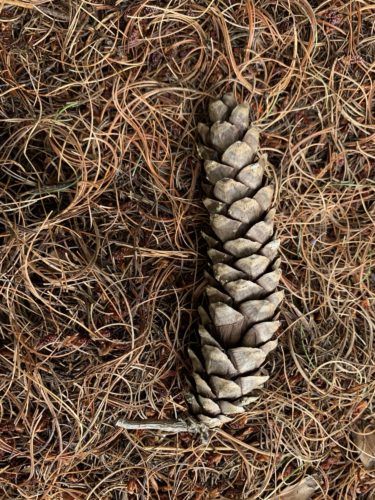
{"type": "Point", "coordinates": [169, 426]}
{"type": "Point", "coordinates": [53, 14]}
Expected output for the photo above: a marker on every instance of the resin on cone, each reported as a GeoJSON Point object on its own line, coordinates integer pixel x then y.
{"type": "Point", "coordinates": [239, 316]}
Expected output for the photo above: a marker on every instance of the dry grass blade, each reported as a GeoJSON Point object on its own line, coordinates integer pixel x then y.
{"type": "Point", "coordinates": [19, 3]}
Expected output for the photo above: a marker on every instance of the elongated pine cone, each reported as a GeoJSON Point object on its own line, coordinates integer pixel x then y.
{"type": "Point", "coordinates": [241, 304]}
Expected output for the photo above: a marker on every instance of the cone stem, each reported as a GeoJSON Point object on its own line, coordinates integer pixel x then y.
{"type": "Point", "coordinates": [170, 426]}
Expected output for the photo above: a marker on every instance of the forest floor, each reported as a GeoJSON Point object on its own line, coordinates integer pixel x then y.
{"type": "Point", "coordinates": [101, 254]}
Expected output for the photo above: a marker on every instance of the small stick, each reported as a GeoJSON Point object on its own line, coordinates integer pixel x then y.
{"type": "Point", "coordinates": [170, 426]}
{"type": "Point", "coordinates": [53, 13]}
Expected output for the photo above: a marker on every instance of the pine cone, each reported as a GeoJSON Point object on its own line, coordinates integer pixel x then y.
{"type": "Point", "coordinates": [241, 304]}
